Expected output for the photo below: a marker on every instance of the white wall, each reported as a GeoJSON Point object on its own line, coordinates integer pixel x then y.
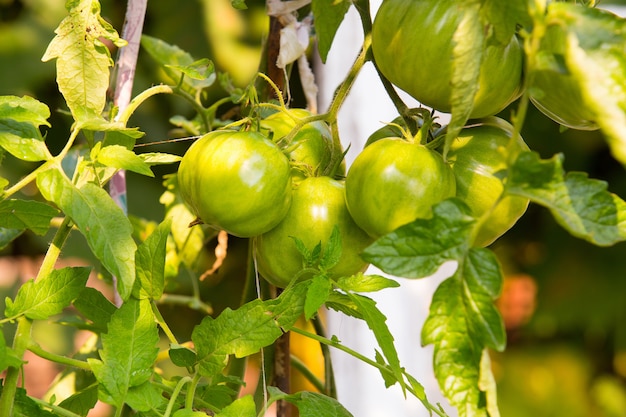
{"type": "Point", "coordinates": [360, 387]}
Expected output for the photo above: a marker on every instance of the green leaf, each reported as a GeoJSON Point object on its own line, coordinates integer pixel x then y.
{"type": "Point", "coordinates": [83, 61]}
{"type": "Point", "coordinates": [487, 384]}
{"type": "Point", "coordinates": [469, 46]}
{"type": "Point", "coordinates": [150, 263]}
{"type": "Point", "coordinates": [457, 354]}
{"type": "Point", "coordinates": [145, 397]}
{"type": "Point", "coordinates": [240, 332]}
{"type": "Point", "coordinates": [81, 402]}
{"type": "Point", "coordinates": [504, 16]}
{"type": "Point", "coordinates": [26, 214]}
{"type": "Point", "coordinates": [583, 206]}
{"type": "Point", "coordinates": [8, 235]}
{"type": "Point", "coordinates": [592, 54]}
{"type": "Point", "coordinates": [246, 330]}
{"type": "Point", "coordinates": [342, 303]}
{"type": "Point", "coordinates": [241, 407]}
{"type": "Point", "coordinates": [92, 304]}
{"type": "Point", "coordinates": [482, 283]}
{"type": "Point", "coordinates": [332, 251]}
{"type": "Point", "coordinates": [418, 249]}
{"type": "Point", "coordinates": [182, 356]}
{"type": "Point", "coordinates": [311, 404]}
{"type": "Point", "coordinates": [239, 4]}
{"type": "Point", "coordinates": [24, 109]}
{"type": "Point", "coordinates": [328, 15]}
{"type": "Point", "coordinates": [48, 296]}
{"type": "Point", "coordinates": [157, 158]}
{"type": "Point", "coordinates": [201, 70]}
{"type": "Point", "coordinates": [376, 321]}
{"type": "Point", "coordinates": [365, 283]}
{"type": "Point", "coordinates": [177, 62]}
{"type": "Point", "coordinates": [24, 406]}
{"type": "Point", "coordinates": [317, 294]}
{"type": "Point", "coordinates": [20, 118]}
{"type": "Point", "coordinates": [23, 141]}
{"type": "Point", "coordinates": [129, 350]}
{"type": "Point", "coordinates": [119, 157]}
{"type": "Point", "coordinates": [107, 229]}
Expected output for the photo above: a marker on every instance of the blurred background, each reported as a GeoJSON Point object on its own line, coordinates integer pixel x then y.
{"type": "Point", "coordinates": [564, 300]}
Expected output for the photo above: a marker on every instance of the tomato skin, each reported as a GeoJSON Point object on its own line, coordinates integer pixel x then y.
{"type": "Point", "coordinates": [311, 147]}
{"type": "Point", "coordinates": [318, 205]}
{"type": "Point", "coordinates": [392, 182]}
{"type": "Point", "coordinates": [413, 48]}
{"type": "Point", "coordinates": [477, 155]}
{"type": "Point", "coordinates": [236, 181]}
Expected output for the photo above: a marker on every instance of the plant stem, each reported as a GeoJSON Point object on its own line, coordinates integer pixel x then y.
{"type": "Point", "coordinates": [53, 357]}
{"type": "Point", "coordinates": [382, 368]}
{"type": "Point", "coordinates": [59, 411]}
{"type": "Point", "coordinates": [161, 321]}
{"type": "Point", "coordinates": [330, 387]}
{"type": "Point", "coordinates": [54, 250]}
{"type": "Point", "coordinates": [20, 342]}
{"type": "Point", "coordinates": [306, 372]}
{"type": "Point", "coordinates": [140, 98]}
{"type": "Point", "coordinates": [346, 85]}
{"type": "Point", "coordinates": [22, 338]}
{"type": "Point", "coordinates": [177, 389]}
{"type": "Point", "coordinates": [191, 392]}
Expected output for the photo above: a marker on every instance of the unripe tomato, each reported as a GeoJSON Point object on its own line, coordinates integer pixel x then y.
{"type": "Point", "coordinates": [236, 181]}
{"type": "Point", "coordinates": [318, 205]}
{"type": "Point", "coordinates": [412, 42]}
{"type": "Point", "coordinates": [310, 149]}
{"type": "Point", "coordinates": [477, 156]}
{"type": "Point", "coordinates": [392, 182]}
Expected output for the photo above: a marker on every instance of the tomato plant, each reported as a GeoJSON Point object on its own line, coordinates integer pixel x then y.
{"type": "Point", "coordinates": [393, 181]}
{"type": "Point", "coordinates": [414, 44]}
{"type": "Point", "coordinates": [407, 206]}
{"type": "Point", "coordinates": [319, 205]}
{"type": "Point", "coordinates": [479, 157]}
{"type": "Point", "coordinates": [236, 181]}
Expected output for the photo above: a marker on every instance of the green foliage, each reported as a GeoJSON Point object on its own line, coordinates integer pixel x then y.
{"type": "Point", "coordinates": [128, 352]}
{"type": "Point", "coordinates": [159, 262]}
{"type": "Point", "coordinates": [49, 295]}
{"type": "Point", "coordinates": [102, 222]}
{"type": "Point", "coordinates": [83, 60]}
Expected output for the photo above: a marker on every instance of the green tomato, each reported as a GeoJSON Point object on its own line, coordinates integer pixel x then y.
{"type": "Point", "coordinates": [312, 146]}
{"type": "Point", "coordinates": [478, 156]}
{"type": "Point", "coordinates": [393, 182]}
{"type": "Point", "coordinates": [318, 206]}
{"type": "Point", "coordinates": [236, 181]}
{"type": "Point", "coordinates": [412, 42]}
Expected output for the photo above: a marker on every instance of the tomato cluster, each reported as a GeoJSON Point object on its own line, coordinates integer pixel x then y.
{"type": "Point", "coordinates": [281, 183]}
{"type": "Point", "coordinates": [274, 185]}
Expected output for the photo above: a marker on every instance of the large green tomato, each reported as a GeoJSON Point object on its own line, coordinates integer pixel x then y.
{"type": "Point", "coordinates": [392, 182]}
{"type": "Point", "coordinates": [412, 42]}
{"type": "Point", "coordinates": [312, 146]}
{"type": "Point", "coordinates": [478, 156]}
{"type": "Point", "coordinates": [318, 206]}
{"type": "Point", "coordinates": [236, 181]}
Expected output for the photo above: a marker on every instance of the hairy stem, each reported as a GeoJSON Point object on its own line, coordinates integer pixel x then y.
{"type": "Point", "coordinates": [9, 389]}
{"type": "Point", "coordinates": [53, 357]}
